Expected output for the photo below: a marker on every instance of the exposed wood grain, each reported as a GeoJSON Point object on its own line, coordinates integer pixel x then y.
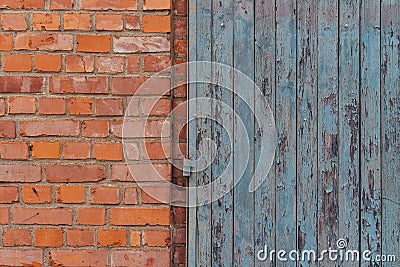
{"type": "Point", "coordinates": [286, 126]}
{"type": "Point", "coordinates": [370, 183]}
{"type": "Point", "coordinates": [191, 244]}
{"type": "Point", "coordinates": [222, 209]}
{"type": "Point", "coordinates": [307, 127]}
{"type": "Point", "coordinates": [391, 126]}
{"type": "Point", "coordinates": [243, 237]}
{"type": "Point", "coordinates": [203, 132]}
{"type": "Point", "coordinates": [328, 141]}
{"type": "Point", "coordinates": [265, 80]}
{"type": "Point", "coordinates": [349, 149]}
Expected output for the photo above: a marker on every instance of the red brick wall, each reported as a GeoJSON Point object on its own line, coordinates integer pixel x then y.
{"type": "Point", "coordinates": [68, 69]}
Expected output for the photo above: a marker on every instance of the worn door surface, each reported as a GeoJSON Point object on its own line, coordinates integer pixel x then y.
{"type": "Point", "coordinates": [330, 73]}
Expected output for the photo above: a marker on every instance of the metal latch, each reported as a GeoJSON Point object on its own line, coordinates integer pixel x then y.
{"type": "Point", "coordinates": [188, 164]}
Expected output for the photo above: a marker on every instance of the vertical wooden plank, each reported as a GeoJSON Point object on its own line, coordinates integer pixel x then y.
{"type": "Point", "coordinates": [191, 244]}
{"type": "Point", "coordinates": [243, 200]}
{"type": "Point", "coordinates": [349, 179]}
{"type": "Point", "coordinates": [327, 126]}
{"type": "Point", "coordinates": [203, 132]}
{"type": "Point", "coordinates": [391, 126]}
{"type": "Point", "coordinates": [286, 126]}
{"type": "Point", "coordinates": [371, 210]}
{"type": "Point", "coordinates": [307, 127]}
{"type": "Point", "coordinates": [265, 80]}
{"type": "Point", "coordinates": [222, 209]}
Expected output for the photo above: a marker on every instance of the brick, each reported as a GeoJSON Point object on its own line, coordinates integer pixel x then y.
{"type": "Point", "coordinates": [126, 85]}
{"type": "Point", "coordinates": [21, 105]}
{"type": "Point", "coordinates": [5, 42]}
{"type": "Point", "coordinates": [21, 84]}
{"type": "Point", "coordinates": [36, 194]}
{"type": "Point", "coordinates": [48, 238]}
{"type": "Point", "coordinates": [13, 22]}
{"type": "Point", "coordinates": [60, 4]}
{"type": "Point", "coordinates": [180, 47]}
{"type": "Point", "coordinates": [179, 215]}
{"type": "Point", "coordinates": [150, 128]}
{"type": "Point", "coordinates": [80, 106]}
{"type": "Point", "coordinates": [4, 216]}
{"type": "Point", "coordinates": [93, 43]}
{"type": "Point", "coordinates": [81, 22]}
{"type": "Point", "coordinates": [25, 4]}
{"type": "Point", "coordinates": [107, 151]}
{"type": "Point", "coordinates": [131, 150]}
{"type": "Point", "coordinates": [157, 4]}
{"type": "Point", "coordinates": [20, 173]}
{"type": "Point", "coordinates": [111, 238]}
{"type": "Point", "coordinates": [110, 64]}
{"type": "Point", "coordinates": [46, 22]}
{"type": "Point", "coordinates": [139, 216]}
{"type": "Point", "coordinates": [50, 128]}
{"type": "Point", "coordinates": [156, 63]}
{"type": "Point", "coordinates": [104, 195]}
{"type": "Point", "coordinates": [156, 238]}
{"type": "Point", "coordinates": [109, 107]}
{"type": "Point", "coordinates": [8, 194]}
{"type": "Point", "coordinates": [76, 150]}
{"type": "Point", "coordinates": [140, 258]}
{"type": "Point", "coordinates": [108, 5]}
{"type": "Point", "coordinates": [181, 7]}
{"type": "Point", "coordinates": [130, 196]}
{"type": "Point", "coordinates": [17, 62]}
{"type": "Point", "coordinates": [50, 216]}
{"type": "Point", "coordinates": [179, 256]}
{"type": "Point", "coordinates": [180, 26]}
{"type": "Point", "coordinates": [82, 258]}
{"type": "Point", "coordinates": [156, 150]}
{"type": "Point", "coordinates": [141, 44]}
{"type": "Point", "coordinates": [51, 106]}
{"type": "Point", "coordinates": [156, 194]}
{"type": "Point", "coordinates": [156, 107]}
{"type": "Point", "coordinates": [91, 216]}
{"type": "Point", "coordinates": [71, 194]}
{"type": "Point", "coordinates": [78, 85]}
{"type": "Point", "coordinates": [135, 238]}
{"type": "Point", "coordinates": [132, 64]}
{"type": "Point", "coordinates": [19, 257]}
{"type": "Point", "coordinates": [133, 108]}
{"type": "Point", "coordinates": [80, 237]}
{"type": "Point", "coordinates": [2, 106]}
{"type": "Point", "coordinates": [132, 22]}
{"type": "Point", "coordinates": [75, 173]}
{"type": "Point", "coordinates": [156, 24]}
{"type": "Point", "coordinates": [16, 237]}
{"type": "Point", "coordinates": [179, 236]}
{"type": "Point", "coordinates": [46, 150]}
{"type": "Point", "coordinates": [75, 63]}
{"type": "Point", "coordinates": [47, 63]}
{"type": "Point", "coordinates": [109, 22]}
{"type": "Point", "coordinates": [143, 172]}
{"type": "Point", "coordinates": [14, 150]}
{"type": "Point", "coordinates": [47, 42]}
{"type": "Point", "coordinates": [95, 128]}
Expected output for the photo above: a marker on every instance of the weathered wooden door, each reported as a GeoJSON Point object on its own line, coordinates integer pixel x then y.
{"type": "Point", "coordinates": [330, 73]}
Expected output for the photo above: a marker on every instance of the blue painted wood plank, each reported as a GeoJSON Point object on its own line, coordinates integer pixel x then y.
{"type": "Point", "coordinates": [390, 74]}
{"type": "Point", "coordinates": [371, 210]}
{"type": "Point", "coordinates": [191, 244]}
{"type": "Point", "coordinates": [328, 135]}
{"type": "Point", "coordinates": [307, 128]}
{"type": "Point", "coordinates": [349, 121]}
{"type": "Point", "coordinates": [265, 80]}
{"type": "Point", "coordinates": [243, 240]}
{"type": "Point", "coordinates": [222, 209]}
{"type": "Point", "coordinates": [203, 132]}
{"type": "Point", "coordinates": [286, 207]}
